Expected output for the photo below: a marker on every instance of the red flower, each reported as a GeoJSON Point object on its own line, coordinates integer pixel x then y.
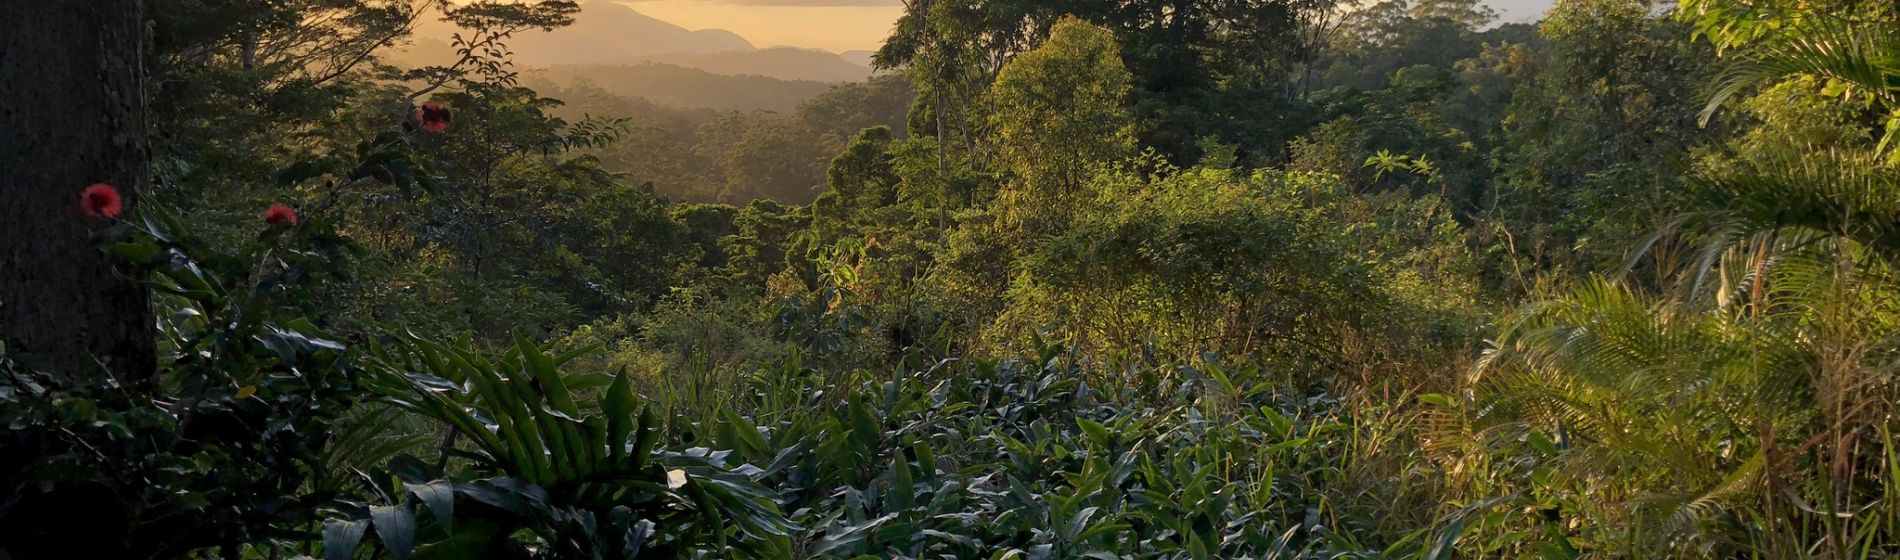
{"type": "Point", "coordinates": [433, 117]}
{"type": "Point", "coordinates": [101, 201]}
{"type": "Point", "coordinates": [278, 214]}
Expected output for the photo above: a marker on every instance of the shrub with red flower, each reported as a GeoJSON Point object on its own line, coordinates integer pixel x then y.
{"type": "Point", "coordinates": [101, 201]}
{"type": "Point", "coordinates": [433, 117]}
{"type": "Point", "coordinates": [279, 214]}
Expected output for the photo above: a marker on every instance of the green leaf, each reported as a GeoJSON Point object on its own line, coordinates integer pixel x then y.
{"type": "Point", "coordinates": [618, 407]}
{"type": "Point", "coordinates": [647, 432]}
{"type": "Point", "coordinates": [1444, 547]}
{"type": "Point", "coordinates": [341, 537]}
{"type": "Point", "coordinates": [585, 381]}
{"type": "Point", "coordinates": [1540, 442]}
{"type": "Point", "coordinates": [439, 497]}
{"type": "Point", "coordinates": [1278, 424]}
{"type": "Point", "coordinates": [850, 537]}
{"type": "Point", "coordinates": [747, 433]}
{"type": "Point", "coordinates": [1197, 548]}
{"type": "Point", "coordinates": [866, 430]}
{"type": "Point", "coordinates": [570, 355]}
{"type": "Point", "coordinates": [544, 370]}
{"type": "Point", "coordinates": [1078, 522]}
{"type": "Point", "coordinates": [302, 170]}
{"type": "Point", "coordinates": [1096, 433]}
{"type": "Point", "coordinates": [137, 252]}
{"type": "Point", "coordinates": [397, 529]}
{"type": "Point", "coordinates": [902, 483]}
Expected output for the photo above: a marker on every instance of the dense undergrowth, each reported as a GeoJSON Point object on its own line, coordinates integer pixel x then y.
{"type": "Point", "coordinates": [1617, 285]}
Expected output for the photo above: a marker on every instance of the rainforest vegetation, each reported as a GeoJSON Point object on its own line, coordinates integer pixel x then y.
{"type": "Point", "coordinates": [1107, 279]}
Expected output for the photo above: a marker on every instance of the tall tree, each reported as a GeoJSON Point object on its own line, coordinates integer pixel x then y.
{"type": "Point", "coordinates": [1061, 110]}
{"type": "Point", "coordinates": [1594, 148]}
{"type": "Point", "coordinates": [73, 101]}
{"type": "Point", "coordinates": [860, 181]}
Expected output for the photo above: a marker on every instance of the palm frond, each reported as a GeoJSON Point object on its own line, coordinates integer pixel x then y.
{"type": "Point", "coordinates": [1863, 59]}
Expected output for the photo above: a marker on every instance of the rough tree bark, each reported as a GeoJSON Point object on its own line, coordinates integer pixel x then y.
{"type": "Point", "coordinates": [72, 113]}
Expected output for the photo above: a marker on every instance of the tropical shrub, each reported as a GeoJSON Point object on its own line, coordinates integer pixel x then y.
{"type": "Point", "coordinates": [581, 482]}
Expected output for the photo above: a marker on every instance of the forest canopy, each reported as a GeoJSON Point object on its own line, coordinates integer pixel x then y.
{"type": "Point", "coordinates": [1111, 279]}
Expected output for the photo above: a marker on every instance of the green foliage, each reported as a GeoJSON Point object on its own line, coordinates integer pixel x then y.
{"type": "Point", "coordinates": [1280, 267]}
{"type": "Point", "coordinates": [1773, 41]}
{"type": "Point", "coordinates": [1431, 288]}
{"type": "Point", "coordinates": [1613, 121]}
{"type": "Point", "coordinates": [861, 181]}
{"type": "Point", "coordinates": [226, 446]}
{"type": "Point", "coordinates": [1198, 259]}
{"type": "Point", "coordinates": [584, 481]}
{"type": "Point", "coordinates": [1727, 413]}
{"type": "Point", "coordinates": [1060, 111]}
{"type": "Point", "coordinates": [733, 157]}
{"type": "Point", "coordinates": [1377, 40]}
{"type": "Point", "coordinates": [1196, 70]}
{"type": "Point", "coordinates": [762, 247]}
{"type": "Point", "coordinates": [1013, 459]}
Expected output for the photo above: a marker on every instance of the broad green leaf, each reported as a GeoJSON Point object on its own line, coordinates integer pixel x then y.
{"type": "Point", "coordinates": [397, 529]}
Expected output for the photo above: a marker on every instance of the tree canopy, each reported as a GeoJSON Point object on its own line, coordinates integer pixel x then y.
{"type": "Point", "coordinates": [1130, 279]}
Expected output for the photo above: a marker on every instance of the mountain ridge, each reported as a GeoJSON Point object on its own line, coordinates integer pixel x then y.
{"type": "Point", "coordinates": [685, 88]}
{"type": "Point", "coordinates": [610, 33]}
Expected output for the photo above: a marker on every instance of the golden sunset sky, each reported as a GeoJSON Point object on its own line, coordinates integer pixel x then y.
{"type": "Point", "coordinates": [843, 25]}
{"type": "Point", "coordinates": [832, 25]}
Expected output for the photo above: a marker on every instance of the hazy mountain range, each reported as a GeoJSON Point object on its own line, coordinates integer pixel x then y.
{"type": "Point", "coordinates": [609, 33]}
{"type": "Point", "coordinates": [861, 58]}
{"type": "Point", "coordinates": [784, 63]}
{"type": "Point", "coordinates": [682, 87]}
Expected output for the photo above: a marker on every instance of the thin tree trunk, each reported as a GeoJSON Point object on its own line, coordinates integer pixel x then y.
{"type": "Point", "coordinates": [937, 111]}
{"type": "Point", "coordinates": [72, 107]}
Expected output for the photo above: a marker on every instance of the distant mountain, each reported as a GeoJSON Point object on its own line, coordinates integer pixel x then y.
{"type": "Point", "coordinates": [611, 33]}
{"type": "Point", "coordinates": [860, 58]}
{"type": "Point", "coordinates": [687, 88]}
{"type": "Point", "coordinates": [603, 32]}
{"type": "Point", "coordinates": [785, 63]}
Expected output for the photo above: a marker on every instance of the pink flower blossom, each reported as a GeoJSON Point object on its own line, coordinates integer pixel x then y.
{"type": "Point", "coordinates": [101, 201]}
{"type": "Point", "coordinates": [433, 117]}
{"type": "Point", "coordinates": [279, 214]}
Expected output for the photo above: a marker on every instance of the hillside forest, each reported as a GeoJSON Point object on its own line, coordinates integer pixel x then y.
{"type": "Point", "coordinates": [1102, 279]}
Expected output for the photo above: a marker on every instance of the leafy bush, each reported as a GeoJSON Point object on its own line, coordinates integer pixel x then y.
{"type": "Point", "coordinates": [1043, 458]}
{"type": "Point", "coordinates": [583, 482]}
{"type": "Point", "coordinates": [228, 445]}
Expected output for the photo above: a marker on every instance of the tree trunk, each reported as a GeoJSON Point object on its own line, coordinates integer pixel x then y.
{"type": "Point", "coordinates": [72, 107]}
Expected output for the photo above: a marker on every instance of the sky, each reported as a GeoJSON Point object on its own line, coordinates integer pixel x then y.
{"type": "Point", "coordinates": [832, 25]}
{"type": "Point", "coordinates": [1520, 10]}
{"type": "Point", "coordinates": [843, 25]}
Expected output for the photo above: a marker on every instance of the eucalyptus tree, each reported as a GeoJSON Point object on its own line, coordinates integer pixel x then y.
{"type": "Point", "coordinates": [1061, 111]}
